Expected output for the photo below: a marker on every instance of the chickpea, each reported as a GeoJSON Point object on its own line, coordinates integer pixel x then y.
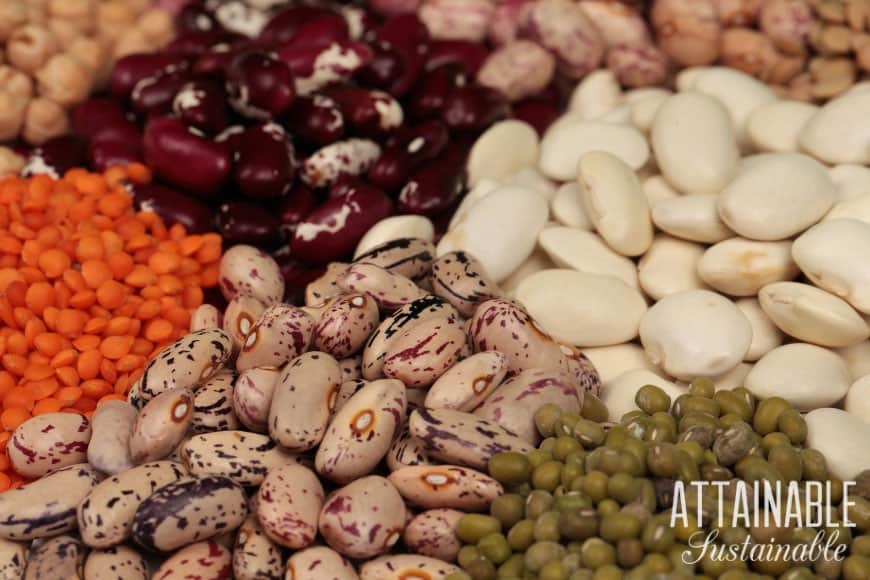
{"type": "Point", "coordinates": [30, 47]}
{"type": "Point", "coordinates": [156, 24]}
{"type": "Point", "coordinates": [13, 13]}
{"type": "Point", "coordinates": [15, 82]}
{"type": "Point", "coordinates": [94, 54]}
{"type": "Point", "coordinates": [64, 32]}
{"type": "Point", "coordinates": [11, 115]}
{"type": "Point", "coordinates": [64, 80]}
{"type": "Point", "coordinates": [44, 120]}
{"type": "Point", "coordinates": [11, 163]}
{"type": "Point", "coordinates": [114, 18]}
{"type": "Point", "coordinates": [131, 42]}
{"type": "Point", "coordinates": [82, 13]}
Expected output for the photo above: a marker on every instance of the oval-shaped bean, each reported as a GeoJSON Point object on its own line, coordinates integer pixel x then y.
{"type": "Point", "coordinates": [406, 450]}
{"type": "Point", "coordinates": [240, 316]}
{"type": "Point", "coordinates": [188, 510]}
{"type": "Point", "coordinates": [303, 400]}
{"type": "Point", "coordinates": [465, 385]}
{"type": "Point", "coordinates": [364, 518]}
{"type": "Point", "coordinates": [116, 563]}
{"type": "Point", "coordinates": [282, 333]}
{"type": "Point", "coordinates": [161, 425]}
{"type": "Point", "coordinates": [390, 290]}
{"type": "Point", "coordinates": [359, 435]}
{"type": "Point", "coordinates": [288, 505]}
{"type": "Point", "coordinates": [346, 325]}
{"type": "Point", "coordinates": [13, 559]}
{"type": "Point", "coordinates": [433, 533]}
{"type": "Point", "coordinates": [425, 351]}
{"type": "Point", "coordinates": [213, 405]}
{"type": "Point", "coordinates": [347, 390]}
{"type": "Point", "coordinates": [351, 368]}
{"type": "Point", "coordinates": [252, 397]}
{"type": "Point", "coordinates": [461, 438]}
{"type": "Point", "coordinates": [319, 562]}
{"type": "Point", "coordinates": [205, 316]}
{"type": "Point", "coordinates": [461, 279]}
{"type": "Point", "coordinates": [249, 271]}
{"type": "Point", "coordinates": [255, 556]}
{"type": "Point", "coordinates": [105, 516]}
{"type": "Point", "coordinates": [446, 486]}
{"type": "Point", "coordinates": [244, 457]}
{"type": "Point", "coordinates": [48, 442]}
{"type": "Point", "coordinates": [410, 257]}
{"type": "Point", "coordinates": [403, 566]}
{"type": "Point", "coordinates": [202, 560]}
{"type": "Point", "coordinates": [186, 363]}
{"type": "Point", "coordinates": [47, 506]}
{"type": "Point", "coordinates": [60, 557]}
{"type": "Point", "coordinates": [318, 292]}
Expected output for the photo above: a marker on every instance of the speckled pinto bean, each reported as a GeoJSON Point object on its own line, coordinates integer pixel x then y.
{"type": "Point", "coordinates": [282, 333]}
{"type": "Point", "coordinates": [60, 557]}
{"type": "Point", "coordinates": [249, 271]}
{"type": "Point", "coordinates": [161, 425]}
{"type": "Point", "coordinates": [111, 426]}
{"type": "Point", "coordinates": [410, 257]}
{"type": "Point", "coordinates": [255, 556]}
{"type": "Point", "coordinates": [425, 351]}
{"type": "Point", "coordinates": [244, 457]}
{"type": "Point", "coordinates": [319, 563]}
{"type": "Point", "coordinates": [213, 404]}
{"type": "Point", "coordinates": [395, 325]}
{"type": "Point", "coordinates": [461, 438]}
{"type": "Point", "coordinates": [202, 560]}
{"type": "Point", "coordinates": [13, 559]}
{"type": "Point", "coordinates": [562, 27]}
{"type": "Point", "coordinates": [326, 286]}
{"type": "Point", "coordinates": [582, 370]}
{"type": "Point", "coordinates": [446, 486]}
{"type": "Point", "coordinates": [469, 382]}
{"type": "Point", "coordinates": [189, 510]}
{"type": "Point", "coordinates": [406, 450]}
{"type": "Point", "coordinates": [47, 506]}
{"type": "Point", "coordinates": [105, 516]}
{"type": "Point", "coordinates": [460, 279]}
{"type": "Point", "coordinates": [351, 368]}
{"type": "Point", "coordinates": [116, 563]}
{"type": "Point", "coordinates": [348, 157]}
{"type": "Point", "coordinates": [186, 363]}
{"type": "Point", "coordinates": [347, 390]}
{"type": "Point", "coordinates": [390, 290]}
{"type": "Point", "coordinates": [252, 397]}
{"type": "Point", "coordinates": [49, 442]}
{"type": "Point", "coordinates": [240, 316]}
{"type": "Point", "coordinates": [433, 533]}
{"type": "Point", "coordinates": [288, 505]}
{"type": "Point", "coordinates": [346, 325]}
{"type": "Point", "coordinates": [205, 316]}
{"type": "Point", "coordinates": [406, 566]}
{"type": "Point", "coordinates": [360, 434]}
{"type": "Point", "coordinates": [303, 401]}
{"type": "Point", "coordinates": [364, 518]}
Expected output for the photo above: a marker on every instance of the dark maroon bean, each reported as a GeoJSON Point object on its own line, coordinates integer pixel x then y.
{"type": "Point", "coordinates": [194, 17]}
{"type": "Point", "coordinates": [473, 108]}
{"type": "Point", "coordinates": [284, 25]}
{"type": "Point", "coordinates": [215, 62]}
{"type": "Point", "coordinates": [185, 159]}
{"type": "Point", "coordinates": [57, 155]}
{"type": "Point", "coordinates": [425, 140]}
{"type": "Point", "coordinates": [260, 86]}
{"type": "Point", "coordinates": [297, 275]}
{"type": "Point", "coordinates": [131, 69]}
{"type": "Point", "coordinates": [408, 38]}
{"type": "Point", "coordinates": [240, 222]}
{"type": "Point", "coordinates": [199, 41]}
{"type": "Point", "coordinates": [392, 169]}
{"type": "Point", "coordinates": [436, 185]}
{"type": "Point", "coordinates": [120, 132]}
{"type": "Point", "coordinates": [403, 30]}
{"type": "Point", "coordinates": [386, 66]}
{"type": "Point", "coordinates": [410, 147]}
{"type": "Point", "coordinates": [344, 184]}
{"type": "Point", "coordinates": [231, 137]}
{"type": "Point", "coordinates": [538, 113]}
{"type": "Point", "coordinates": [430, 95]}
{"type": "Point", "coordinates": [316, 67]}
{"type": "Point", "coordinates": [153, 95]}
{"type": "Point", "coordinates": [202, 104]}
{"type": "Point", "coordinates": [90, 116]}
{"type": "Point", "coordinates": [470, 55]}
{"type": "Point", "coordinates": [173, 207]}
{"type": "Point", "coordinates": [298, 203]}
{"type": "Point", "coordinates": [316, 121]}
{"type": "Point", "coordinates": [105, 154]}
{"type": "Point", "coordinates": [331, 231]}
{"type": "Point", "coordinates": [320, 32]}
{"type": "Point", "coordinates": [264, 162]}
{"type": "Point", "coordinates": [368, 113]}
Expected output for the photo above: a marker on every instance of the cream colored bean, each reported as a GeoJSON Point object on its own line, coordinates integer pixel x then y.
{"type": "Point", "coordinates": [311, 563]}
{"type": "Point", "coordinates": [351, 368]}
{"type": "Point", "coordinates": [205, 316]}
{"type": "Point", "coordinates": [401, 566]}
{"type": "Point", "coordinates": [656, 188]}
{"type": "Point", "coordinates": [318, 292]}
{"type": "Point", "coordinates": [595, 95]}
{"type": "Point", "coordinates": [619, 393]}
{"type": "Point", "coordinates": [59, 557]}
{"type": "Point", "coordinates": [475, 194]}
{"type": "Point", "coordinates": [741, 267]}
{"type": "Point", "coordinates": [851, 180]}
{"type": "Point", "coordinates": [446, 486]}
{"type": "Point", "coordinates": [206, 560]}
{"type": "Point", "coordinates": [244, 457]}
{"type": "Point", "coordinates": [389, 290]}
{"type": "Point", "coordinates": [489, 158]}
{"type": "Point", "coordinates": [425, 351]}
{"type": "Point", "coordinates": [288, 505]}
{"type": "Point", "coordinates": [670, 266]}
{"type": "Point", "coordinates": [396, 228]}
{"type": "Point", "coordinates": [567, 207]}
{"type": "Point", "coordinates": [765, 334]}
{"type": "Point", "coordinates": [48, 442]}
{"type": "Point", "coordinates": [857, 400]}
{"type": "Point", "coordinates": [13, 558]}
{"type": "Point", "coordinates": [161, 425]}
{"type": "Point", "coordinates": [567, 140]}
{"type": "Point", "coordinates": [117, 562]}
{"type": "Point", "coordinates": [857, 358]}
{"type": "Point", "coordinates": [533, 180]}
{"type": "Point", "coordinates": [345, 326]}
{"type": "Point", "coordinates": [855, 208]}
{"type": "Point", "coordinates": [347, 390]}
{"type": "Point", "coordinates": [469, 382]}
{"type": "Point", "coordinates": [775, 126]}
{"type": "Point", "coordinates": [248, 271]}
{"type": "Point", "coordinates": [463, 281]}
{"type": "Point", "coordinates": [586, 252]}
{"type": "Point", "coordinates": [240, 316]}
{"type": "Point", "coordinates": [213, 405]}
{"type": "Point", "coordinates": [645, 107]}
{"type": "Point", "coordinates": [282, 333]}
{"type": "Point", "coordinates": [303, 401]}
{"type": "Point", "coordinates": [433, 533]}
{"type": "Point", "coordinates": [691, 217]}
{"type": "Point", "coordinates": [837, 132]}
{"type": "Point", "coordinates": [537, 261]}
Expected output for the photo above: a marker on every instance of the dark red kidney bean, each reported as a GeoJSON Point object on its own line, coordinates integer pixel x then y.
{"type": "Point", "coordinates": [298, 203]}
{"type": "Point", "coordinates": [185, 159]}
{"type": "Point", "coordinates": [120, 132]}
{"type": "Point", "coordinates": [344, 184]}
{"type": "Point", "coordinates": [284, 25]}
{"type": "Point", "coordinates": [403, 30]}
{"type": "Point", "coordinates": [408, 38]}
{"type": "Point", "coordinates": [369, 113]}
{"type": "Point", "coordinates": [430, 95]}
{"type": "Point", "coordinates": [425, 140]}
{"type": "Point", "coordinates": [260, 85]}
{"type": "Point", "coordinates": [320, 32]}
{"type": "Point", "coordinates": [240, 222]}
{"type": "Point", "coordinates": [153, 95]}
{"type": "Point", "coordinates": [538, 113]}
{"type": "Point", "coordinates": [60, 154]}
{"type": "Point", "coordinates": [199, 41]}
{"type": "Point", "coordinates": [392, 169]}
{"type": "Point", "coordinates": [386, 66]}
{"type": "Point", "coordinates": [436, 185]}
{"type": "Point", "coordinates": [231, 137]}
{"type": "Point", "coordinates": [339, 61]}
{"type": "Point", "coordinates": [173, 207]}
{"type": "Point", "coordinates": [202, 104]}
{"type": "Point", "coordinates": [90, 116]}
{"type": "Point", "coordinates": [105, 154]}
{"type": "Point", "coordinates": [215, 62]}
{"type": "Point", "coordinates": [316, 121]}
{"type": "Point", "coordinates": [470, 55]}
{"type": "Point", "coordinates": [411, 147]}
{"type": "Point", "coordinates": [297, 275]}
{"type": "Point", "coordinates": [131, 69]}
{"type": "Point", "coordinates": [263, 166]}
{"type": "Point", "coordinates": [332, 231]}
{"type": "Point", "coordinates": [194, 17]}
{"type": "Point", "coordinates": [473, 108]}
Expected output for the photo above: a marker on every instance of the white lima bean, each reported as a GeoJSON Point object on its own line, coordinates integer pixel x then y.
{"type": "Point", "coordinates": [618, 394]}
{"type": "Point", "coordinates": [586, 252]}
{"type": "Point", "coordinates": [842, 438]}
{"type": "Point", "coordinates": [489, 158]}
{"type": "Point", "coordinates": [567, 140]}
{"type": "Point", "coordinates": [740, 267]}
{"type": "Point", "coordinates": [669, 266]}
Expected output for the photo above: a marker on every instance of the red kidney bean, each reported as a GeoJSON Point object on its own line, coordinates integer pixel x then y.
{"type": "Point", "coordinates": [297, 204]}
{"type": "Point", "coordinates": [193, 17]}
{"type": "Point", "coordinates": [263, 166]}
{"type": "Point", "coordinates": [132, 68]}
{"type": "Point", "coordinates": [214, 62]}
{"type": "Point", "coordinates": [470, 55]}
{"type": "Point", "coordinates": [240, 222]}
{"type": "Point", "coordinates": [173, 207]}
{"type": "Point", "coordinates": [58, 155]}
{"type": "Point", "coordinates": [403, 30]}
{"type": "Point", "coordinates": [430, 95]}
{"type": "Point", "coordinates": [344, 184]}
{"type": "Point", "coordinates": [316, 120]}
{"type": "Point", "coordinates": [90, 116]}
{"type": "Point", "coordinates": [199, 41]}
{"type": "Point", "coordinates": [153, 95]}
{"type": "Point", "coordinates": [297, 275]}
{"type": "Point", "coordinates": [473, 108]}
{"type": "Point", "coordinates": [105, 154]}
{"type": "Point", "coordinates": [332, 230]}
{"type": "Point", "coordinates": [386, 66]}
{"type": "Point", "coordinates": [436, 185]}
{"type": "Point", "coordinates": [121, 132]}
{"type": "Point", "coordinates": [260, 86]}
{"type": "Point", "coordinates": [411, 146]}
{"type": "Point", "coordinates": [320, 31]}
{"type": "Point", "coordinates": [369, 113]}
{"type": "Point", "coordinates": [202, 104]}
{"type": "Point", "coordinates": [538, 113]}
{"type": "Point", "coordinates": [284, 25]}
{"type": "Point", "coordinates": [185, 159]}
{"type": "Point", "coordinates": [425, 140]}
{"type": "Point", "coordinates": [407, 38]}
{"type": "Point", "coordinates": [390, 7]}
{"type": "Point", "coordinates": [317, 67]}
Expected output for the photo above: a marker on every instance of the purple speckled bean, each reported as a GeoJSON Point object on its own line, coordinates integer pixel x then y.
{"type": "Point", "coordinates": [244, 457]}
{"type": "Point", "coordinates": [360, 434]}
{"type": "Point", "coordinates": [433, 533]}
{"type": "Point", "coordinates": [13, 559]}
{"type": "Point", "coordinates": [117, 562]}
{"type": "Point", "coordinates": [248, 271]}
{"type": "Point", "coordinates": [255, 556]}
{"type": "Point", "coordinates": [457, 19]}
{"type": "Point", "coordinates": [205, 316]}
{"type": "Point", "coordinates": [519, 69]}
{"type": "Point", "coordinates": [303, 400]}
{"type": "Point", "coordinates": [446, 486]}
{"type": "Point", "coordinates": [319, 562]}
{"type": "Point", "coordinates": [390, 291]}
{"type": "Point", "coordinates": [461, 280]}
{"type": "Point", "coordinates": [111, 426]}
{"type": "Point", "coordinates": [346, 325]}
{"type": "Point", "coordinates": [347, 390]}
{"type": "Point", "coordinates": [288, 505]}
{"type": "Point", "coordinates": [213, 404]}
{"type": "Point", "coordinates": [562, 27]}
{"type": "Point", "coordinates": [252, 397]}
{"type": "Point", "coordinates": [402, 566]}
{"type": "Point", "coordinates": [469, 382]}
{"type": "Point", "coordinates": [425, 351]}
{"type": "Point", "coordinates": [409, 257]}
{"type": "Point", "coordinates": [60, 557]}
{"type": "Point", "coordinates": [351, 368]}
{"type": "Point", "coordinates": [364, 518]}
{"type": "Point", "coordinates": [462, 438]}
{"type": "Point", "coordinates": [161, 425]}
{"type": "Point", "coordinates": [202, 560]}
{"type": "Point", "coordinates": [326, 286]}
{"type": "Point", "coordinates": [48, 442]}
{"type": "Point", "coordinates": [240, 316]}
{"type": "Point", "coordinates": [281, 334]}
{"type": "Point", "coordinates": [406, 450]}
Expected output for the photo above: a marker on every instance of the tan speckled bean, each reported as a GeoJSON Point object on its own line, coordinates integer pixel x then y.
{"type": "Point", "coordinates": [248, 271]}
{"type": "Point", "coordinates": [469, 382]}
{"type": "Point", "coordinates": [116, 563]}
{"type": "Point", "coordinates": [281, 334]}
{"type": "Point", "coordinates": [255, 556]}
{"type": "Point", "coordinates": [410, 257]}
{"type": "Point", "coordinates": [461, 280]}
{"type": "Point", "coordinates": [322, 289]}
{"type": "Point", "coordinates": [446, 486]}
{"type": "Point", "coordinates": [288, 505]}
{"type": "Point", "coordinates": [351, 368]}
{"type": "Point", "coordinates": [252, 397]}
{"type": "Point", "coordinates": [202, 560]}
{"type": "Point", "coordinates": [425, 351]}
{"type": "Point", "coordinates": [244, 457]}
{"type": "Point", "coordinates": [205, 316]}
{"type": "Point", "coordinates": [346, 325]}
{"type": "Point", "coordinates": [13, 559]}
{"type": "Point", "coordinates": [319, 562]}
{"type": "Point", "coordinates": [213, 404]}
{"type": "Point", "coordinates": [48, 442]}
{"type": "Point", "coordinates": [406, 450]}
{"type": "Point", "coordinates": [347, 390]}
{"type": "Point", "coordinates": [390, 290]}
{"type": "Point", "coordinates": [161, 425]}
{"type": "Point", "coordinates": [239, 318]}
{"type": "Point", "coordinates": [60, 557]}
{"type": "Point", "coordinates": [433, 533]}
{"type": "Point", "coordinates": [111, 426]}
{"type": "Point", "coordinates": [405, 566]}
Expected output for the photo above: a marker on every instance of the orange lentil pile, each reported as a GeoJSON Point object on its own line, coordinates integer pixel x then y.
{"type": "Point", "coordinates": [89, 291]}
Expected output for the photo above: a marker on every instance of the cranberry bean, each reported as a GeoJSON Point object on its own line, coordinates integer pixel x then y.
{"type": "Point", "coordinates": [154, 94]}
{"type": "Point", "coordinates": [469, 55]}
{"type": "Point", "coordinates": [185, 159]}
{"type": "Point", "coordinates": [214, 62]}
{"type": "Point", "coordinates": [369, 113]}
{"type": "Point", "coordinates": [199, 41]}
{"type": "Point", "coordinates": [321, 291]}
{"type": "Point", "coordinates": [390, 7]}
{"type": "Point", "coordinates": [297, 204]}
{"type": "Point", "coordinates": [332, 231]}
{"type": "Point", "coordinates": [327, 561]}
{"type": "Point", "coordinates": [346, 325]}
{"type": "Point", "coordinates": [105, 154]}
{"type": "Point", "coordinates": [173, 207]}
{"type": "Point", "coordinates": [410, 257]}
{"type": "Point", "coordinates": [446, 486]}
{"type": "Point", "coordinates": [194, 16]}
{"type": "Point", "coordinates": [431, 93]}
{"type": "Point", "coordinates": [161, 425]}
{"type": "Point", "coordinates": [390, 290]}
{"type": "Point", "coordinates": [518, 69]}
{"type": "Point", "coordinates": [242, 311]}
{"type": "Point", "coordinates": [287, 518]}
{"type": "Point", "coordinates": [473, 108]}
{"type": "Point", "coordinates": [240, 222]}
{"type": "Point", "coordinates": [56, 156]}
{"type": "Point", "coordinates": [247, 271]}
{"type": "Point", "coordinates": [317, 67]}
{"type": "Point", "coordinates": [252, 397]}
{"type": "Point", "coordinates": [260, 86]}
{"type": "Point", "coordinates": [264, 162]}
{"type": "Point", "coordinates": [89, 118]}
{"type": "Point", "coordinates": [320, 31]}
{"type": "Point", "coordinates": [352, 156]}
{"type": "Point", "coordinates": [48, 442]}
{"type": "Point", "coordinates": [638, 65]}
{"type": "Point", "coordinates": [432, 533]}
{"type": "Point", "coordinates": [316, 120]}
{"type": "Point", "coordinates": [425, 351]}
{"type": "Point", "coordinates": [407, 39]}
{"type": "Point", "coordinates": [201, 104]}
{"type": "Point", "coordinates": [506, 20]}
{"type": "Point", "coordinates": [436, 185]}
{"type": "Point", "coordinates": [457, 19]}
{"type": "Point", "coordinates": [562, 27]}
{"type": "Point", "coordinates": [132, 68]}
{"type": "Point", "coordinates": [281, 334]}
{"type": "Point", "coordinates": [285, 25]}
{"type": "Point", "coordinates": [461, 280]}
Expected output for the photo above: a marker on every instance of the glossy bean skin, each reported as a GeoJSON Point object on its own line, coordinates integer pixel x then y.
{"type": "Point", "coordinates": [317, 67]}
{"type": "Point", "coordinates": [13, 558]}
{"type": "Point", "coordinates": [213, 405]}
{"type": "Point", "coordinates": [263, 162]}
{"type": "Point", "coordinates": [469, 382]}
{"type": "Point", "coordinates": [243, 457]}
{"type": "Point", "coordinates": [254, 554]}
{"type": "Point", "coordinates": [425, 351]}
{"type": "Point", "coordinates": [201, 104]}
{"type": "Point", "coordinates": [369, 113]}
{"type": "Point", "coordinates": [411, 147]}
{"type": "Point", "coordinates": [347, 157]}
{"type": "Point", "coordinates": [205, 316]}
{"type": "Point", "coordinates": [409, 257]}
{"type": "Point", "coordinates": [244, 222]}
{"type": "Point", "coordinates": [129, 70]}
{"type": "Point", "coordinates": [154, 94]}
{"type": "Point", "coordinates": [323, 290]}
{"type": "Point", "coordinates": [248, 271]}
{"type": "Point", "coordinates": [316, 120]}
{"type": "Point", "coordinates": [241, 314]}
{"type": "Point", "coordinates": [116, 562]}
{"type": "Point", "coordinates": [399, 566]}
{"type": "Point", "coordinates": [260, 85]}
{"type": "Point", "coordinates": [364, 518]}
{"type": "Point", "coordinates": [435, 185]}
{"type": "Point", "coordinates": [347, 390]}
{"type": "Point", "coordinates": [390, 290]}
{"type": "Point", "coordinates": [345, 326]}
{"type": "Point", "coordinates": [406, 450]}
{"type": "Point", "coordinates": [288, 505]}
{"type": "Point", "coordinates": [161, 425]}
{"type": "Point", "coordinates": [205, 560]}
{"type": "Point", "coordinates": [461, 280]}
{"type": "Point", "coordinates": [59, 557]}
{"type": "Point", "coordinates": [280, 334]}
{"type": "Point", "coordinates": [446, 486]}
{"type": "Point", "coordinates": [252, 397]}
{"type": "Point", "coordinates": [433, 533]}
{"type": "Point", "coordinates": [48, 442]}
{"type": "Point", "coordinates": [173, 207]}
{"type": "Point", "coordinates": [351, 368]}
{"type": "Point", "coordinates": [111, 426]}
{"type": "Point", "coordinates": [319, 562]}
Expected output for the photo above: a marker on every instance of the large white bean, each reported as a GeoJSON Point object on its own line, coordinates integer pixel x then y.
{"type": "Point", "coordinates": [740, 267]}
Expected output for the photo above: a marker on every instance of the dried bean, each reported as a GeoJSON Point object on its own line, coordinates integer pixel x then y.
{"type": "Point", "coordinates": [422, 353]}
{"type": "Point", "coordinates": [345, 326]}
{"type": "Point", "coordinates": [325, 560]}
{"type": "Point", "coordinates": [254, 554]}
{"type": "Point", "coordinates": [446, 486]}
{"type": "Point", "coordinates": [116, 562]}
{"type": "Point", "coordinates": [161, 425]}
{"type": "Point", "coordinates": [206, 560]}
{"type": "Point", "coordinates": [469, 382]}
{"type": "Point", "coordinates": [390, 290]}
{"type": "Point", "coordinates": [49, 442]}
{"type": "Point", "coordinates": [244, 457]}
{"type": "Point", "coordinates": [59, 557]}
{"type": "Point", "coordinates": [288, 504]}
{"type": "Point", "coordinates": [252, 397]}
{"type": "Point", "coordinates": [280, 334]}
